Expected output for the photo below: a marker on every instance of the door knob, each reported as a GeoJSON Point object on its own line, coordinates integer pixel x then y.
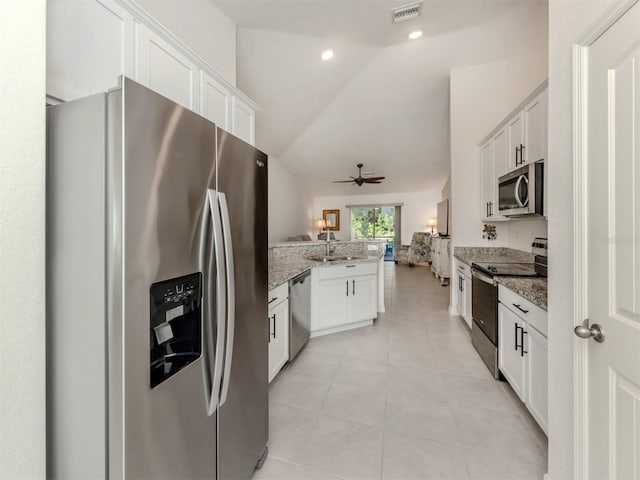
{"type": "Point", "coordinates": [595, 331]}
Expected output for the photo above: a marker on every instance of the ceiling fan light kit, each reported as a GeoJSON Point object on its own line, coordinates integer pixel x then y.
{"type": "Point", "coordinates": [360, 180]}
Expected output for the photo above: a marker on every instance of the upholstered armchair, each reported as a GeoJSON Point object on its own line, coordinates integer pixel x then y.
{"type": "Point", "coordinates": [418, 252]}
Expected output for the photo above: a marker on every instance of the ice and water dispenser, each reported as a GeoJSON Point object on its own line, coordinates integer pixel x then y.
{"type": "Point", "coordinates": [176, 327]}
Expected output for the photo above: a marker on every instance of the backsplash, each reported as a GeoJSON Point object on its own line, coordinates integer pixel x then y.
{"type": "Point", "coordinates": [489, 254]}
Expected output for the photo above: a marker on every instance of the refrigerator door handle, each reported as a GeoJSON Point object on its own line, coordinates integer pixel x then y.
{"type": "Point", "coordinates": [231, 296]}
{"type": "Point", "coordinates": [220, 302]}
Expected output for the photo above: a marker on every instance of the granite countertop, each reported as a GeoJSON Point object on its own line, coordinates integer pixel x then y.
{"type": "Point", "coordinates": [533, 289]}
{"type": "Point", "coordinates": [469, 255]}
{"type": "Point", "coordinates": [284, 269]}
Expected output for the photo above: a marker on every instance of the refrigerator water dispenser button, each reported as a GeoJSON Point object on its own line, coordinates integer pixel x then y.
{"type": "Point", "coordinates": [174, 313]}
{"type": "Point", "coordinates": [163, 332]}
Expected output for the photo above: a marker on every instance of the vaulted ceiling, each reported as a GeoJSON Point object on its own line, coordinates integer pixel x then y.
{"type": "Point", "coordinates": [383, 100]}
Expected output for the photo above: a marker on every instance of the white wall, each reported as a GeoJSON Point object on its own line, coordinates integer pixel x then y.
{"type": "Point", "coordinates": [417, 208]}
{"type": "Point", "coordinates": [446, 189]}
{"type": "Point", "coordinates": [478, 102]}
{"type": "Point", "coordinates": [568, 19]}
{"type": "Point", "coordinates": [22, 291]}
{"type": "Point", "coordinates": [528, 61]}
{"type": "Point", "coordinates": [290, 207]}
{"type": "Point", "coordinates": [481, 96]}
{"type": "Point", "coordinates": [202, 27]}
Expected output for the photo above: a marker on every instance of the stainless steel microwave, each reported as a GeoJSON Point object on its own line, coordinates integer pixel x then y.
{"type": "Point", "coordinates": [520, 192]}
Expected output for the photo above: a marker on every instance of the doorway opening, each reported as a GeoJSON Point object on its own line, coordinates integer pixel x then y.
{"type": "Point", "coordinates": [377, 223]}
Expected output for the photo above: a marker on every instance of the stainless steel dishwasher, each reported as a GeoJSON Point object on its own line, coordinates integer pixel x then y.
{"type": "Point", "coordinates": [300, 312]}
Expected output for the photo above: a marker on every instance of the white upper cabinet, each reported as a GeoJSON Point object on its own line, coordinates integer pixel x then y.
{"type": "Point", "coordinates": [516, 148]}
{"type": "Point", "coordinates": [520, 138]}
{"type": "Point", "coordinates": [90, 43]}
{"type": "Point", "coordinates": [535, 131]}
{"type": "Point", "coordinates": [88, 47]}
{"type": "Point", "coordinates": [486, 178]}
{"type": "Point", "coordinates": [163, 68]}
{"type": "Point", "coordinates": [215, 101]}
{"type": "Point", "coordinates": [243, 121]}
{"type": "Point", "coordinates": [501, 151]}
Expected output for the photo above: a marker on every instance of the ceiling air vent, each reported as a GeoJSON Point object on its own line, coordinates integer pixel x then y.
{"type": "Point", "coordinates": [408, 12]}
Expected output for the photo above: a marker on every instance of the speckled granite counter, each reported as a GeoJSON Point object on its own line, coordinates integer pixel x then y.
{"type": "Point", "coordinates": [286, 260]}
{"type": "Point", "coordinates": [283, 270]}
{"type": "Point", "coordinates": [533, 289]}
{"type": "Point", "coordinates": [469, 255]}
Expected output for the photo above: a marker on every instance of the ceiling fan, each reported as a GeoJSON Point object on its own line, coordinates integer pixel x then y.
{"type": "Point", "coordinates": [359, 180]}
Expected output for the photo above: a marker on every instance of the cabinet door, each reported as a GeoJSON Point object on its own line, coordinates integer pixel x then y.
{"type": "Point", "coordinates": [163, 68]}
{"type": "Point", "coordinates": [515, 127]}
{"type": "Point", "coordinates": [501, 160]}
{"type": "Point", "coordinates": [332, 303]}
{"type": "Point", "coordinates": [536, 359]}
{"type": "Point", "coordinates": [535, 128]}
{"type": "Point", "coordinates": [486, 179]}
{"type": "Point", "coordinates": [243, 121]}
{"type": "Point", "coordinates": [278, 337]}
{"type": "Point", "coordinates": [215, 101]}
{"type": "Point", "coordinates": [89, 44]}
{"type": "Point", "coordinates": [363, 298]}
{"type": "Point", "coordinates": [467, 300]}
{"type": "Point", "coordinates": [459, 286]}
{"type": "Point", "coordinates": [510, 359]}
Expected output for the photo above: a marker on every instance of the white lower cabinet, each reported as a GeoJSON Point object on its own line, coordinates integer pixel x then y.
{"type": "Point", "coordinates": [278, 329]}
{"type": "Point", "coordinates": [510, 355]}
{"type": "Point", "coordinates": [537, 378]}
{"type": "Point", "coordinates": [343, 297]}
{"type": "Point", "coordinates": [522, 351]}
{"type": "Point", "coordinates": [462, 287]}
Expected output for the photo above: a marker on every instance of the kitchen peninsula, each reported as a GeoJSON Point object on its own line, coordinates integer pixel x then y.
{"type": "Point", "coordinates": [289, 259]}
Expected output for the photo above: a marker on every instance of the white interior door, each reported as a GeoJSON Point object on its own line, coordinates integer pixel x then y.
{"type": "Point", "coordinates": [613, 250]}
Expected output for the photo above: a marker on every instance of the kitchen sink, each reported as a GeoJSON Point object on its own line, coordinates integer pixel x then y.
{"type": "Point", "coordinates": [334, 258]}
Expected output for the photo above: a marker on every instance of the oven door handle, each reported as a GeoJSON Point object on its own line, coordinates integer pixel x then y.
{"type": "Point", "coordinates": [482, 277]}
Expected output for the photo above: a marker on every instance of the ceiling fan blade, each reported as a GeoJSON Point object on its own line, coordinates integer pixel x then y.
{"type": "Point", "coordinates": [373, 179]}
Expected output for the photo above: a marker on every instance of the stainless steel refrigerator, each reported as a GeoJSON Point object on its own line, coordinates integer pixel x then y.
{"type": "Point", "coordinates": [156, 292]}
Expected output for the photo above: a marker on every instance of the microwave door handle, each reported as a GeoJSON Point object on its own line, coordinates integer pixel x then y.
{"type": "Point", "coordinates": [521, 178]}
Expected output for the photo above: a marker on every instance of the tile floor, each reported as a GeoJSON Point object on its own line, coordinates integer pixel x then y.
{"type": "Point", "coordinates": [407, 398]}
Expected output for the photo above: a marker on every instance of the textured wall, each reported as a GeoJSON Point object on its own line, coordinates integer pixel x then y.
{"type": "Point", "coordinates": [22, 176]}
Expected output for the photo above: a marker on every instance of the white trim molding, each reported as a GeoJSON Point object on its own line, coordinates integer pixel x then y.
{"type": "Point", "coordinates": [580, 229]}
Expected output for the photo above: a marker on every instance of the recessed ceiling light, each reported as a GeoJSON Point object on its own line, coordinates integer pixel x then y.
{"type": "Point", "coordinates": [416, 34]}
{"type": "Point", "coordinates": [327, 55]}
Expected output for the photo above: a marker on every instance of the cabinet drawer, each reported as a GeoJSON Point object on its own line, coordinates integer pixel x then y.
{"type": "Point", "coordinates": [463, 268]}
{"type": "Point", "coordinates": [347, 270]}
{"type": "Point", "coordinates": [523, 308]}
{"type": "Point", "coordinates": [279, 293]}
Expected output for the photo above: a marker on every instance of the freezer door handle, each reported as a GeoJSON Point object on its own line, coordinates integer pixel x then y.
{"type": "Point", "coordinates": [231, 295]}
{"type": "Point", "coordinates": [218, 247]}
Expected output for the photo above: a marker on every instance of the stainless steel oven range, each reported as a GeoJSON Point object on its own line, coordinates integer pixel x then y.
{"type": "Point", "coordinates": [484, 299]}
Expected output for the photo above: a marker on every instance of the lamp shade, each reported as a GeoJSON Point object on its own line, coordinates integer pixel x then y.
{"type": "Point", "coordinates": [321, 224]}
{"type": "Point", "coordinates": [432, 222]}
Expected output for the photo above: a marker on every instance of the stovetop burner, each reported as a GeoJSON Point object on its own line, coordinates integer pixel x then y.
{"type": "Point", "coordinates": [507, 269]}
